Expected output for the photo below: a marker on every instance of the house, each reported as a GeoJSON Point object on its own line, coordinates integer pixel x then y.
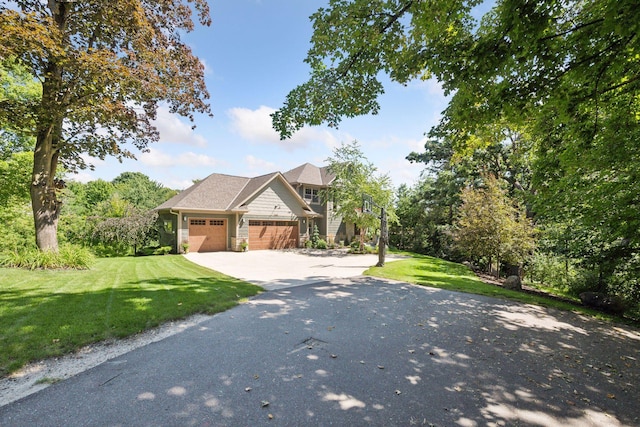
{"type": "Point", "coordinates": [272, 211]}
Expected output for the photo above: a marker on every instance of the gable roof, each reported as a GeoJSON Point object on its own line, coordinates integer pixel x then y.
{"type": "Point", "coordinates": [309, 174]}
{"type": "Point", "coordinates": [215, 192]}
{"type": "Point", "coordinates": [219, 192]}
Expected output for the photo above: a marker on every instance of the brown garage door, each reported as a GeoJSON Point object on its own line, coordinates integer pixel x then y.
{"type": "Point", "coordinates": [273, 235]}
{"type": "Point", "coordinates": [207, 235]}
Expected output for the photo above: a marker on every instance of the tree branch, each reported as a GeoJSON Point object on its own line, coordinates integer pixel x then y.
{"type": "Point", "coordinates": [573, 29]}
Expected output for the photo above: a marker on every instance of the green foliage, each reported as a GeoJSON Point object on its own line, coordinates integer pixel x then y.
{"type": "Point", "coordinates": [315, 236]}
{"type": "Point", "coordinates": [140, 191]}
{"type": "Point", "coordinates": [321, 244]}
{"type": "Point", "coordinates": [489, 227]}
{"type": "Point", "coordinates": [544, 96]}
{"type": "Point", "coordinates": [68, 257]}
{"type": "Point", "coordinates": [19, 92]}
{"type": "Point", "coordinates": [100, 89]}
{"type": "Point", "coordinates": [132, 230]}
{"type": "Point", "coordinates": [548, 269]}
{"type": "Point", "coordinates": [356, 176]}
{"type": "Point", "coordinates": [425, 214]}
{"type": "Point", "coordinates": [96, 193]}
{"type": "Point", "coordinates": [163, 250]}
{"type": "Point", "coordinates": [16, 226]}
{"type": "Point", "coordinates": [14, 178]}
{"type": "Point", "coordinates": [154, 250]}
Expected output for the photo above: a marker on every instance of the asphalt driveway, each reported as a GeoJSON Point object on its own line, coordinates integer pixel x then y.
{"type": "Point", "coordinates": [361, 351]}
{"type": "Point", "coordinates": [282, 269]}
{"type": "Point", "coordinates": [327, 346]}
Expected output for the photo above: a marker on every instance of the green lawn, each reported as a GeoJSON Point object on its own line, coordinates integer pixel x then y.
{"type": "Point", "coordinates": [437, 273]}
{"type": "Point", "coordinates": [45, 313]}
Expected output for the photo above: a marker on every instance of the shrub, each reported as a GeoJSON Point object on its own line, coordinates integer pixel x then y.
{"type": "Point", "coordinates": [551, 270]}
{"type": "Point", "coordinates": [162, 250]}
{"type": "Point", "coordinates": [315, 236]}
{"type": "Point", "coordinates": [68, 256]}
{"type": "Point", "coordinates": [308, 244]}
{"type": "Point", "coordinates": [321, 244]}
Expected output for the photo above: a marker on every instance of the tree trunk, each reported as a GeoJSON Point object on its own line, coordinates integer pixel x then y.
{"type": "Point", "coordinates": [52, 109]}
{"type": "Point", "coordinates": [44, 201]}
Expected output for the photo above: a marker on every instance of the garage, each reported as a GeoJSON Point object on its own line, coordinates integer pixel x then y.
{"type": "Point", "coordinates": [273, 235]}
{"type": "Point", "coordinates": [207, 235]}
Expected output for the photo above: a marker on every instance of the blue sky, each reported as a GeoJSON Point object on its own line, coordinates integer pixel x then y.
{"type": "Point", "coordinates": [253, 54]}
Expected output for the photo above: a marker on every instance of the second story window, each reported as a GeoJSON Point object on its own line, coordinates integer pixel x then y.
{"type": "Point", "coordinates": [311, 195]}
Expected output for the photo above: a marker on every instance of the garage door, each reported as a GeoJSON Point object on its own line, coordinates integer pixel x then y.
{"type": "Point", "coordinates": [273, 235]}
{"type": "Point", "coordinates": [207, 235]}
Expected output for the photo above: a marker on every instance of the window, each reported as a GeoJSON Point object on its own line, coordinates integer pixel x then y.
{"type": "Point", "coordinates": [311, 194]}
{"type": "Point", "coordinates": [216, 222]}
{"type": "Point", "coordinates": [198, 222]}
{"type": "Point", "coordinates": [254, 223]}
{"type": "Point", "coordinates": [168, 225]}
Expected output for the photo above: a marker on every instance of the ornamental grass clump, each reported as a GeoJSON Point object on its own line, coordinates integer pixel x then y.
{"type": "Point", "coordinates": [68, 257]}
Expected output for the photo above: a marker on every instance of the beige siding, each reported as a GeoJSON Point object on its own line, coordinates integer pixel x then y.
{"type": "Point", "coordinates": [275, 202]}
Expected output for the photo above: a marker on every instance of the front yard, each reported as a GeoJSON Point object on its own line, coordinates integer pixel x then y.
{"type": "Point", "coordinates": [47, 313]}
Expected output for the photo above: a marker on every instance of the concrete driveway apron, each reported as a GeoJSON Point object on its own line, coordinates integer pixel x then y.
{"type": "Point", "coordinates": [281, 269]}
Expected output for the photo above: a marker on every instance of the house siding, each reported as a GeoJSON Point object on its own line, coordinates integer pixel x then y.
{"type": "Point", "coordinates": [275, 202]}
{"type": "Point", "coordinates": [168, 237]}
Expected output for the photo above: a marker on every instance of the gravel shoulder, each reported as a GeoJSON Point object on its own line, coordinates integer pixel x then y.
{"type": "Point", "coordinates": [39, 375]}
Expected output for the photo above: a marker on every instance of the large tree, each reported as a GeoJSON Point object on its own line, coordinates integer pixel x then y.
{"type": "Point", "coordinates": [104, 68]}
{"type": "Point", "coordinates": [564, 70]}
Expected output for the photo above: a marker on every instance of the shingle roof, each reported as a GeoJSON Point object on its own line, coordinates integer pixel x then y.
{"type": "Point", "coordinates": [219, 192]}
{"type": "Point", "coordinates": [252, 186]}
{"type": "Point", "coordinates": [309, 174]}
{"type": "Point", "coordinates": [215, 192]}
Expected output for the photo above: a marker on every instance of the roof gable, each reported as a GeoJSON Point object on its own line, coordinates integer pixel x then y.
{"type": "Point", "coordinates": [215, 192]}
{"type": "Point", "coordinates": [309, 174]}
{"type": "Point", "coordinates": [219, 192]}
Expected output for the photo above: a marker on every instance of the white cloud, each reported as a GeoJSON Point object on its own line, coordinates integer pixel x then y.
{"type": "Point", "coordinates": [402, 171]}
{"type": "Point", "coordinates": [158, 158]}
{"type": "Point", "coordinates": [260, 166]}
{"type": "Point", "coordinates": [255, 126]}
{"type": "Point", "coordinates": [82, 177]}
{"type": "Point", "coordinates": [207, 69]}
{"type": "Point", "coordinates": [177, 184]}
{"type": "Point", "coordinates": [174, 130]}
{"type": "Point", "coordinates": [432, 87]}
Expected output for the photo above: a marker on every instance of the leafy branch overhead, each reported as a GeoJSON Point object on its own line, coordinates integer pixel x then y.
{"type": "Point", "coordinates": [551, 86]}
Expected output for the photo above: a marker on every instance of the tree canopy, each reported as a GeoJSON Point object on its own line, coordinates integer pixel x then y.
{"type": "Point", "coordinates": [563, 75]}
{"type": "Point", "coordinates": [104, 68]}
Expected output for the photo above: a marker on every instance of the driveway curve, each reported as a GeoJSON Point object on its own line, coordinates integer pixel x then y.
{"type": "Point", "coordinates": [274, 270]}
